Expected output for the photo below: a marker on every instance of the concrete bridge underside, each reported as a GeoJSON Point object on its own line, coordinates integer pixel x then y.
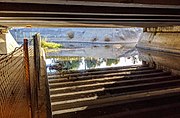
{"type": "Point", "coordinates": [89, 13]}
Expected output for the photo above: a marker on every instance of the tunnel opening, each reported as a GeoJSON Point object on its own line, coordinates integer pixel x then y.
{"type": "Point", "coordinates": [89, 59]}
{"type": "Point", "coordinates": [91, 71]}
{"type": "Point", "coordinates": [85, 48]}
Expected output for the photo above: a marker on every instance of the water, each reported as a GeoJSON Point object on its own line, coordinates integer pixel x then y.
{"type": "Point", "coordinates": [111, 51]}
{"type": "Point", "coordinates": [60, 63]}
{"type": "Point", "coordinates": [86, 57]}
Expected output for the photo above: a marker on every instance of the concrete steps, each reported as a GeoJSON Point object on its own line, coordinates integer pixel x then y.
{"type": "Point", "coordinates": [107, 92]}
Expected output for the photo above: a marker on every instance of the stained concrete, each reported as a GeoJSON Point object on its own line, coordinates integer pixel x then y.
{"type": "Point", "coordinates": [2, 44]}
{"type": "Point", "coordinates": [44, 108]}
{"type": "Point", "coordinates": [162, 41]}
{"type": "Point", "coordinates": [161, 60]}
{"type": "Point", "coordinates": [162, 48]}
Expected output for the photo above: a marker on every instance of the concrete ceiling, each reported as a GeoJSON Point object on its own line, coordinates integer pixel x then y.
{"type": "Point", "coordinates": [157, 2]}
{"type": "Point", "coordinates": [89, 13]}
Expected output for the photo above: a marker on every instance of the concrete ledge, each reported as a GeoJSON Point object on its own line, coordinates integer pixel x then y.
{"type": "Point", "coordinates": [175, 29]}
{"type": "Point", "coordinates": [166, 42]}
{"type": "Point", "coordinates": [166, 50]}
{"type": "Point", "coordinates": [161, 60]}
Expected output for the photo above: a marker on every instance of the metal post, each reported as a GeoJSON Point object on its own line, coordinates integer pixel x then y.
{"type": "Point", "coordinates": [27, 77]}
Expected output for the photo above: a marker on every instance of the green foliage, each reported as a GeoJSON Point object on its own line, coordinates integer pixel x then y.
{"type": "Point", "coordinates": [50, 45]}
{"type": "Point", "coordinates": [91, 62]}
{"type": "Point", "coordinates": [109, 62]}
{"type": "Point", "coordinates": [75, 64]}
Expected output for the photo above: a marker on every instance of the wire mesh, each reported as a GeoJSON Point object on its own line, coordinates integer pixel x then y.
{"type": "Point", "coordinates": [14, 98]}
{"type": "Point", "coordinates": [19, 92]}
{"type": "Point", "coordinates": [13, 91]}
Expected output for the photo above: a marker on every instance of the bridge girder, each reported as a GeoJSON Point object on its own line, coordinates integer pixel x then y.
{"type": "Point", "coordinates": [87, 14]}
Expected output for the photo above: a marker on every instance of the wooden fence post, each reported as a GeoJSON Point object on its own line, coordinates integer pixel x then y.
{"type": "Point", "coordinates": [37, 40]}
{"type": "Point", "coordinates": [27, 76]}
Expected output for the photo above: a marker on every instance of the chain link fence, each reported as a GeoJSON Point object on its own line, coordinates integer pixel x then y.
{"type": "Point", "coordinates": [13, 90]}
{"type": "Point", "coordinates": [21, 89]}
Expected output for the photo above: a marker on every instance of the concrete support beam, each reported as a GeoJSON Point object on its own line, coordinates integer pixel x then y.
{"type": "Point", "coordinates": [90, 9]}
{"type": "Point", "coordinates": [7, 42]}
{"type": "Point", "coordinates": [88, 13]}
{"type": "Point", "coordinates": [162, 2]}
{"type": "Point", "coordinates": [3, 49]}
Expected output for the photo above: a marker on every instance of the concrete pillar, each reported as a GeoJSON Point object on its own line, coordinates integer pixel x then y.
{"type": "Point", "coordinates": [3, 49]}
{"type": "Point", "coordinates": [7, 42]}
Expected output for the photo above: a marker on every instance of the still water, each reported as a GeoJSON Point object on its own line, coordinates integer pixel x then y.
{"type": "Point", "coordinates": [93, 57]}
{"type": "Point", "coordinates": [82, 63]}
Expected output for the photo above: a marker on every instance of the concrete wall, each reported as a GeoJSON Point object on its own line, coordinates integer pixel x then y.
{"type": "Point", "coordinates": [162, 48]}
{"type": "Point", "coordinates": [7, 43]}
{"type": "Point", "coordinates": [3, 49]}
{"type": "Point", "coordinates": [161, 60]}
{"type": "Point", "coordinates": [11, 44]}
{"type": "Point", "coordinates": [161, 40]}
{"type": "Point", "coordinates": [162, 2]}
{"type": "Point", "coordinates": [44, 99]}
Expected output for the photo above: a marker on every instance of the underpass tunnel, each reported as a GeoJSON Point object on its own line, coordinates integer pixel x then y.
{"type": "Point", "coordinates": [88, 58]}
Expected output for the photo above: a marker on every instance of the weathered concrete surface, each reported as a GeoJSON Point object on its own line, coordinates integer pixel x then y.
{"type": "Point", "coordinates": [7, 43]}
{"type": "Point", "coordinates": [89, 13]}
{"type": "Point", "coordinates": [161, 60]}
{"type": "Point", "coordinates": [44, 101]}
{"type": "Point", "coordinates": [175, 29]}
{"type": "Point", "coordinates": [10, 43]}
{"type": "Point", "coordinates": [163, 2]}
{"type": "Point", "coordinates": [167, 42]}
{"type": "Point", "coordinates": [3, 49]}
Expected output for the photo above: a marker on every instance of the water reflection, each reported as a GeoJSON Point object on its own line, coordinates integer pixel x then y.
{"type": "Point", "coordinates": [60, 63]}
{"type": "Point", "coordinates": [110, 51]}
